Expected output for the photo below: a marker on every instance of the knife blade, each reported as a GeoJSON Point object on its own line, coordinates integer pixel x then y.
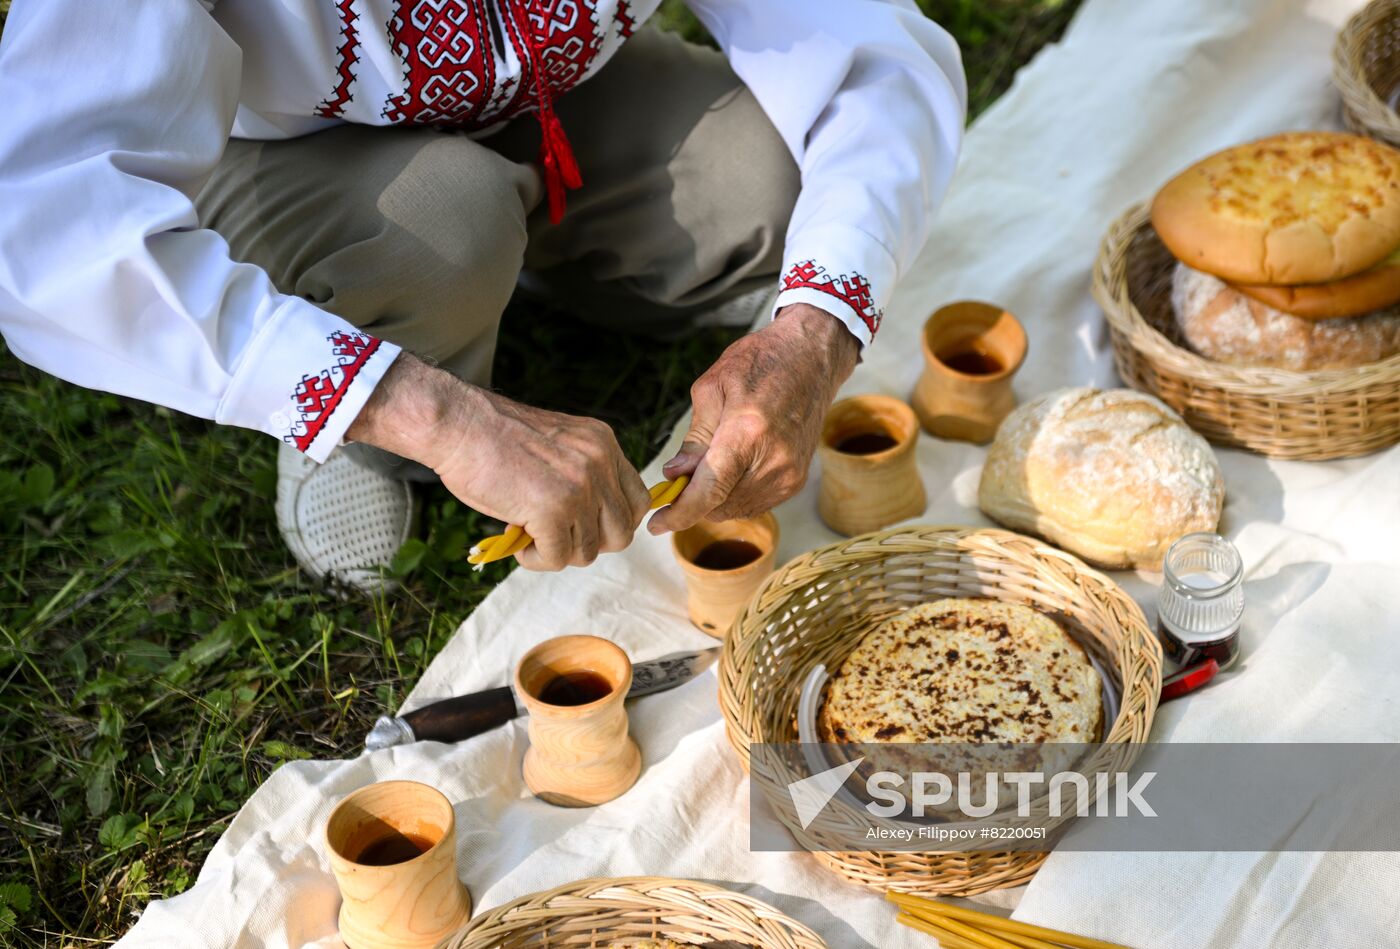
{"type": "Point", "coordinates": [459, 718]}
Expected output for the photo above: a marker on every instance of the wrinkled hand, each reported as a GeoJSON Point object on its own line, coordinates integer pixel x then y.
{"type": "Point", "coordinates": [757, 418]}
{"type": "Point", "coordinates": [561, 477]}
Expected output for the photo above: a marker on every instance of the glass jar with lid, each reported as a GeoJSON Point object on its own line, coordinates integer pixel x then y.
{"type": "Point", "coordinates": [1201, 602]}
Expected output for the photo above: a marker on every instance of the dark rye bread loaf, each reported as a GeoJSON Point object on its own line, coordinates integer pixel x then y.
{"type": "Point", "coordinates": [964, 670]}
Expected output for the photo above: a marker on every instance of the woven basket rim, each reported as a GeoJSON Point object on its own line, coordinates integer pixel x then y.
{"type": "Point", "coordinates": [1136, 657]}
{"type": "Point", "coordinates": [1363, 107]}
{"type": "Point", "coordinates": [728, 662]}
{"type": "Point", "coordinates": [1110, 290]}
{"type": "Point", "coordinates": [680, 900]}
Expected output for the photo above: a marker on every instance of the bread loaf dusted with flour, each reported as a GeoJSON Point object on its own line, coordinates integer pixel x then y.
{"type": "Point", "coordinates": [1113, 476]}
{"type": "Point", "coordinates": [1224, 325]}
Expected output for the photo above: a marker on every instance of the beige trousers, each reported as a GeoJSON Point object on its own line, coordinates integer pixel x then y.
{"type": "Point", "coordinates": [419, 235]}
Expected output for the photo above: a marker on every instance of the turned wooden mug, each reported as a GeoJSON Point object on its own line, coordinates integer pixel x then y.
{"type": "Point", "coordinates": [580, 754]}
{"type": "Point", "coordinates": [971, 351]}
{"type": "Point", "coordinates": [724, 563]}
{"type": "Point", "coordinates": [393, 849]}
{"type": "Point", "coordinates": [870, 476]}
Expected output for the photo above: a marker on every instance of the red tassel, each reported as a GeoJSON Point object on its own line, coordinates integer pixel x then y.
{"type": "Point", "coordinates": [552, 131]}
{"type": "Point", "coordinates": [556, 154]}
{"type": "Point", "coordinates": [553, 183]}
{"type": "Point", "coordinates": [557, 161]}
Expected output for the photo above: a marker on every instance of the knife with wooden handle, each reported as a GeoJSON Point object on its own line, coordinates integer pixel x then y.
{"type": "Point", "coordinates": [462, 717]}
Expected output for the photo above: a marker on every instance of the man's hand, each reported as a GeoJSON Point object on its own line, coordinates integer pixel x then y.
{"type": "Point", "coordinates": [563, 478]}
{"type": "Point", "coordinates": [757, 418]}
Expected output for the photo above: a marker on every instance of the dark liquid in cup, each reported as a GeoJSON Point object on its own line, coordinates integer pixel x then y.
{"type": "Point", "coordinates": [866, 443]}
{"type": "Point", "coordinates": [395, 848]}
{"type": "Point", "coordinates": [575, 688]}
{"type": "Point", "coordinates": [972, 361]}
{"type": "Point", "coordinates": [727, 555]}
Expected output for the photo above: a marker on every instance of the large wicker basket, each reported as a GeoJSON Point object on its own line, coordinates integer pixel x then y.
{"type": "Point", "coordinates": [817, 608]}
{"type": "Point", "coordinates": [596, 913]}
{"type": "Point", "coordinates": [1333, 413]}
{"type": "Point", "coordinates": [1366, 69]}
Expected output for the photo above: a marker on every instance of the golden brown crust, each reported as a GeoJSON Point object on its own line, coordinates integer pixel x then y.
{"type": "Point", "coordinates": [964, 670]}
{"type": "Point", "coordinates": [1357, 295]}
{"type": "Point", "coordinates": [1301, 207]}
{"type": "Point", "coordinates": [1113, 476]}
{"type": "Point", "coordinates": [1226, 326]}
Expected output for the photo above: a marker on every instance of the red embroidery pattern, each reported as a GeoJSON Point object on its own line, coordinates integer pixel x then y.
{"type": "Point", "coordinates": [852, 289]}
{"type": "Point", "coordinates": [317, 396]}
{"type": "Point", "coordinates": [449, 68]}
{"type": "Point", "coordinates": [503, 94]}
{"type": "Point", "coordinates": [521, 100]}
{"type": "Point", "coordinates": [349, 53]}
{"type": "Point", "coordinates": [626, 23]}
{"type": "Point", "coordinates": [567, 38]}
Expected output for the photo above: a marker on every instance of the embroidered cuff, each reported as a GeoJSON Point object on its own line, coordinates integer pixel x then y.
{"type": "Point", "coordinates": [842, 271]}
{"type": "Point", "coordinates": [305, 377]}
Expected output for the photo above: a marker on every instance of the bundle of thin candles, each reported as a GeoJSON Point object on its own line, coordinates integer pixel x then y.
{"type": "Point", "coordinates": [514, 539]}
{"type": "Point", "coordinates": [957, 928]}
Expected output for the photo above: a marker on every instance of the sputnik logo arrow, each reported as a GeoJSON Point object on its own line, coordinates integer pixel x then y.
{"type": "Point", "coordinates": [812, 794]}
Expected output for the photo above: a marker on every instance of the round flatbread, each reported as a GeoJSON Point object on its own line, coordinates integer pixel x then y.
{"type": "Point", "coordinates": [1302, 207]}
{"type": "Point", "coordinates": [964, 670]}
{"type": "Point", "coordinates": [1366, 292]}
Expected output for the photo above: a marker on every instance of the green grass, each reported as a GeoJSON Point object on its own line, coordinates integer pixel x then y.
{"type": "Point", "coordinates": [159, 652]}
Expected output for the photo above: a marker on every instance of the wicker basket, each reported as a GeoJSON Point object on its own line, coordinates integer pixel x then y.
{"type": "Point", "coordinates": [1332, 413]}
{"type": "Point", "coordinates": [817, 608]}
{"type": "Point", "coordinates": [1366, 68]}
{"type": "Point", "coordinates": [593, 914]}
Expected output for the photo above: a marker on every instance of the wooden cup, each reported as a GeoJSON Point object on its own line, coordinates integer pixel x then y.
{"type": "Point", "coordinates": [971, 351]}
{"type": "Point", "coordinates": [867, 486]}
{"type": "Point", "coordinates": [579, 755]}
{"type": "Point", "coordinates": [715, 594]}
{"type": "Point", "coordinates": [414, 903]}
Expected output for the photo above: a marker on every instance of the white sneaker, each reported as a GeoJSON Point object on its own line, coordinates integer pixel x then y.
{"type": "Point", "coordinates": [342, 520]}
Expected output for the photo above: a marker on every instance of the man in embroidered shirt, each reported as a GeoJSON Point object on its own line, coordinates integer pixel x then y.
{"type": "Point", "coordinates": [306, 217]}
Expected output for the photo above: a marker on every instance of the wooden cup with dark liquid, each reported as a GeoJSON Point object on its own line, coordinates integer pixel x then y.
{"type": "Point", "coordinates": [870, 476]}
{"type": "Point", "coordinates": [866, 443]}
{"type": "Point", "coordinates": [575, 688]}
{"type": "Point", "coordinates": [580, 751]}
{"type": "Point", "coordinates": [724, 563]}
{"type": "Point", "coordinates": [393, 849]}
{"type": "Point", "coordinates": [971, 352]}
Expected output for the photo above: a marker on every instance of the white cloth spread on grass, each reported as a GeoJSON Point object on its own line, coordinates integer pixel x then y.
{"type": "Point", "coordinates": [115, 115]}
{"type": "Point", "coordinates": [1135, 92]}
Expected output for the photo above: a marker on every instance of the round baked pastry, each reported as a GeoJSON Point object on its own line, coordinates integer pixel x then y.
{"type": "Point", "coordinates": [1114, 476]}
{"type": "Point", "coordinates": [1302, 207]}
{"type": "Point", "coordinates": [1370, 290]}
{"type": "Point", "coordinates": [1227, 326]}
{"type": "Point", "coordinates": [964, 670]}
